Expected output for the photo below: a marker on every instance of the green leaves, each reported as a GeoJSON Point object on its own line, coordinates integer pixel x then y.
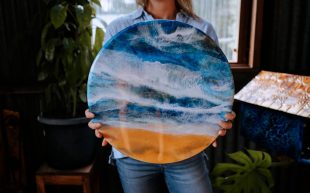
{"type": "Point", "coordinates": [249, 173]}
{"type": "Point", "coordinates": [58, 15]}
{"type": "Point", "coordinates": [49, 49]}
{"type": "Point", "coordinates": [84, 15]}
{"type": "Point", "coordinates": [82, 93]}
{"type": "Point", "coordinates": [66, 54]}
{"type": "Point", "coordinates": [97, 2]}
{"type": "Point", "coordinates": [98, 40]}
{"type": "Point", "coordinates": [69, 46]}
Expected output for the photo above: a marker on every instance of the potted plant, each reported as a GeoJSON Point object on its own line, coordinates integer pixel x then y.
{"type": "Point", "coordinates": [249, 173]}
{"type": "Point", "coordinates": [69, 44]}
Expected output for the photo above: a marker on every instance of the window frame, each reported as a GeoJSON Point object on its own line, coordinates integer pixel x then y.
{"type": "Point", "coordinates": [249, 37]}
{"type": "Point", "coordinates": [250, 34]}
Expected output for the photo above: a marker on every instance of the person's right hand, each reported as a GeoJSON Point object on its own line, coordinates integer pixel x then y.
{"type": "Point", "coordinates": [95, 126]}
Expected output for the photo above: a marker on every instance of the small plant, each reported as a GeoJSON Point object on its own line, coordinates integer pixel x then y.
{"type": "Point", "coordinates": [66, 54]}
{"type": "Point", "coordinates": [249, 174]}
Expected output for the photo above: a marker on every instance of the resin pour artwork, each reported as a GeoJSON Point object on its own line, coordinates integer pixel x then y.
{"type": "Point", "coordinates": [160, 89]}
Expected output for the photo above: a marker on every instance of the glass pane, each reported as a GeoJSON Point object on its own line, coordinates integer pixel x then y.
{"type": "Point", "coordinates": [223, 14]}
{"type": "Point", "coordinates": [112, 9]}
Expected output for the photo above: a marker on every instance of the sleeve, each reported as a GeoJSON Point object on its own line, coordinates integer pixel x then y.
{"type": "Point", "coordinates": [107, 35]}
{"type": "Point", "coordinates": [204, 26]}
{"type": "Point", "coordinates": [117, 25]}
{"type": "Point", "coordinates": [210, 31]}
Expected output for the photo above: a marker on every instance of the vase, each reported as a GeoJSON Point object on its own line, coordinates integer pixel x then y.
{"type": "Point", "coordinates": [69, 143]}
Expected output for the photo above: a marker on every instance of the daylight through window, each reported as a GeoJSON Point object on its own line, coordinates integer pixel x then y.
{"type": "Point", "coordinates": [224, 15]}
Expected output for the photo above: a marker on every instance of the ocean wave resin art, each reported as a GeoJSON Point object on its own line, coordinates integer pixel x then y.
{"type": "Point", "coordinates": [160, 88]}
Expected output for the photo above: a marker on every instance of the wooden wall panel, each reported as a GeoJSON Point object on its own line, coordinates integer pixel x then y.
{"type": "Point", "coordinates": [21, 23]}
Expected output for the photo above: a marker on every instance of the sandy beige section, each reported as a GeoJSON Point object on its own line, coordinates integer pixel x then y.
{"type": "Point", "coordinates": [155, 147]}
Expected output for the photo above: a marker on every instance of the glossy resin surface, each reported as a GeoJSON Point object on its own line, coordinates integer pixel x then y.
{"type": "Point", "coordinates": [160, 88]}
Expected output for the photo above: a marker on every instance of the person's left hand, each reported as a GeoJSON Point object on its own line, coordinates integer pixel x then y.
{"type": "Point", "coordinates": [225, 125]}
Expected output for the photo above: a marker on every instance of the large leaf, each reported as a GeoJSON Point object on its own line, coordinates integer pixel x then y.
{"type": "Point", "coordinates": [249, 173]}
{"type": "Point", "coordinates": [58, 15]}
{"type": "Point", "coordinates": [262, 159]}
{"type": "Point", "coordinates": [82, 93]}
{"type": "Point", "coordinates": [77, 72]}
{"type": "Point", "coordinates": [85, 39]}
{"type": "Point", "coordinates": [240, 157]}
{"type": "Point", "coordinates": [84, 15]}
{"type": "Point", "coordinates": [97, 2]}
{"type": "Point", "coordinates": [49, 50]}
{"type": "Point", "coordinates": [98, 40]}
{"type": "Point", "coordinates": [267, 176]}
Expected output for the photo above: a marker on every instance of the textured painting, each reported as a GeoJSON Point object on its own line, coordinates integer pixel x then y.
{"type": "Point", "coordinates": [160, 88]}
{"type": "Point", "coordinates": [273, 112]}
{"type": "Point", "coordinates": [279, 91]}
{"type": "Point", "coordinates": [279, 132]}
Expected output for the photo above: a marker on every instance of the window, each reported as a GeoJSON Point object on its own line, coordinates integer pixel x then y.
{"type": "Point", "coordinates": [237, 23]}
{"type": "Point", "coordinates": [224, 16]}
{"type": "Point", "coordinates": [112, 9]}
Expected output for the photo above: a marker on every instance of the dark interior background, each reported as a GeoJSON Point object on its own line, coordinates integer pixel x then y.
{"type": "Point", "coordinates": [285, 48]}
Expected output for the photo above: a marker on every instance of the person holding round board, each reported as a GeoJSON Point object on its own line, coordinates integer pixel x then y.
{"type": "Point", "coordinates": [160, 91]}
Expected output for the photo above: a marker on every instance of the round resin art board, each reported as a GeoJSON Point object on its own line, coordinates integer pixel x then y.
{"type": "Point", "coordinates": [160, 88]}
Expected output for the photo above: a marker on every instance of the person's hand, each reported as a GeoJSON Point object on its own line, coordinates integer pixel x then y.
{"type": "Point", "coordinates": [95, 126]}
{"type": "Point", "coordinates": [225, 125]}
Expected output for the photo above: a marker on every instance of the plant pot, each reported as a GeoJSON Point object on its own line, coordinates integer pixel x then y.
{"type": "Point", "coordinates": [70, 143]}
